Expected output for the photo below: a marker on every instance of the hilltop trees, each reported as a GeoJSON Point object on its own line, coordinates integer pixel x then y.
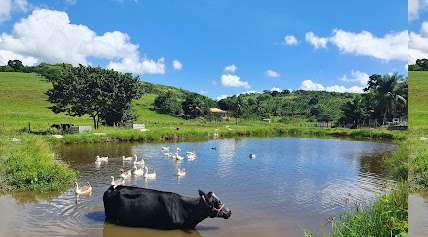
{"type": "Point", "coordinates": [104, 95]}
{"type": "Point", "coordinates": [186, 104]}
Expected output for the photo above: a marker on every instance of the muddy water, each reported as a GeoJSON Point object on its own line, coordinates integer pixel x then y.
{"type": "Point", "coordinates": [418, 214]}
{"type": "Point", "coordinates": [294, 184]}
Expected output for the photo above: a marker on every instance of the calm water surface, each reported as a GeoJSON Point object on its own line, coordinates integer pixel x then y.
{"type": "Point", "coordinates": [418, 214]}
{"type": "Point", "coordinates": [293, 185]}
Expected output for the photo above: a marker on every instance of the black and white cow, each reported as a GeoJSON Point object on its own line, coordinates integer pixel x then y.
{"type": "Point", "coordinates": [140, 207]}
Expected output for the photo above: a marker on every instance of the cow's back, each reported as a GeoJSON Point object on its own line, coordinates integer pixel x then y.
{"type": "Point", "coordinates": [139, 207]}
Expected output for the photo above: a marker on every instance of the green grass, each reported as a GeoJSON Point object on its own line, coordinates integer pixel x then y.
{"type": "Point", "coordinates": [22, 101]}
{"type": "Point", "coordinates": [386, 217]}
{"type": "Point", "coordinates": [29, 165]}
{"type": "Point", "coordinates": [418, 130]}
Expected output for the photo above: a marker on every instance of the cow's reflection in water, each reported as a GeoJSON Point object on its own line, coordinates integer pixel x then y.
{"type": "Point", "coordinates": [111, 230]}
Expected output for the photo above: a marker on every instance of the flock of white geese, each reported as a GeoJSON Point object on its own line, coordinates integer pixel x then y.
{"type": "Point", "coordinates": [139, 168]}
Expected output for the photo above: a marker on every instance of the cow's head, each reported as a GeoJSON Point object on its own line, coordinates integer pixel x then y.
{"type": "Point", "coordinates": [215, 205]}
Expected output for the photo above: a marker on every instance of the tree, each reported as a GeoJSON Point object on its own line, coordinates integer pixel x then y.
{"type": "Point", "coordinates": [389, 94]}
{"type": "Point", "coordinates": [168, 103]}
{"type": "Point", "coordinates": [99, 93]}
{"type": "Point", "coordinates": [16, 65]}
{"type": "Point", "coordinates": [194, 106]}
{"type": "Point", "coordinates": [422, 63]}
{"type": "Point", "coordinates": [353, 112]}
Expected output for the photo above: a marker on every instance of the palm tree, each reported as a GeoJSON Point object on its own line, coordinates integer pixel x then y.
{"type": "Point", "coordinates": [389, 94]}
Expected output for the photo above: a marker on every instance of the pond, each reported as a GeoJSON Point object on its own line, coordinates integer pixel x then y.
{"type": "Point", "coordinates": [293, 185]}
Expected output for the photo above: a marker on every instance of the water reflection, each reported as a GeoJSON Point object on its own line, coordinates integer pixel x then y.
{"type": "Point", "coordinates": [418, 214]}
{"type": "Point", "coordinates": [294, 184]}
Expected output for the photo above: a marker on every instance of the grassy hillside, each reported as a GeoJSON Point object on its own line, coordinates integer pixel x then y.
{"type": "Point", "coordinates": [418, 127]}
{"type": "Point", "coordinates": [22, 101]}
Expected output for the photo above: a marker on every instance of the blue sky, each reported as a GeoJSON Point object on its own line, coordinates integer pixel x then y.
{"type": "Point", "coordinates": [349, 40]}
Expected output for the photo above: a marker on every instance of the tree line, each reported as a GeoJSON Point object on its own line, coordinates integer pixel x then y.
{"type": "Point", "coordinates": [420, 65]}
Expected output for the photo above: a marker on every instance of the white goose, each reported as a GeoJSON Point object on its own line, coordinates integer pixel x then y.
{"type": "Point", "coordinates": [127, 158]}
{"type": "Point", "coordinates": [252, 156]}
{"type": "Point", "coordinates": [138, 162]}
{"type": "Point", "coordinates": [190, 156]}
{"type": "Point", "coordinates": [148, 175]}
{"type": "Point", "coordinates": [177, 157]}
{"type": "Point", "coordinates": [117, 182]}
{"type": "Point", "coordinates": [125, 174]}
{"type": "Point", "coordinates": [137, 171]}
{"type": "Point", "coordinates": [101, 159]}
{"type": "Point", "coordinates": [177, 149]}
{"type": "Point", "coordinates": [181, 172]}
{"type": "Point", "coordinates": [165, 148]}
{"type": "Point", "coordinates": [84, 190]}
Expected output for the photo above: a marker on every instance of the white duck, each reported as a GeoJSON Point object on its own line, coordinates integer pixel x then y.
{"type": "Point", "coordinates": [190, 156]}
{"type": "Point", "coordinates": [127, 158]}
{"type": "Point", "coordinates": [125, 174]}
{"type": "Point", "coordinates": [148, 175]}
{"type": "Point", "coordinates": [101, 159]}
{"type": "Point", "coordinates": [177, 157]}
{"type": "Point", "coordinates": [177, 149]}
{"type": "Point", "coordinates": [137, 171]}
{"type": "Point", "coordinates": [84, 190]}
{"type": "Point", "coordinates": [252, 156]}
{"type": "Point", "coordinates": [165, 148]}
{"type": "Point", "coordinates": [117, 182]}
{"type": "Point", "coordinates": [138, 162]}
{"type": "Point", "coordinates": [181, 172]}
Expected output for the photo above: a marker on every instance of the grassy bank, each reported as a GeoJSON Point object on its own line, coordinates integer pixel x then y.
{"type": "Point", "coordinates": [28, 164]}
{"type": "Point", "coordinates": [386, 217]}
{"type": "Point", "coordinates": [205, 131]}
{"type": "Point", "coordinates": [418, 130]}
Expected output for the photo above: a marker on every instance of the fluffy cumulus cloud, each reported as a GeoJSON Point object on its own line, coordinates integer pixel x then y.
{"type": "Point", "coordinates": [230, 69]}
{"type": "Point", "coordinates": [313, 86]}
{"type": "Point", "coordinates": [290, 40]}
{"type": "Point", "coordinates": [418, 44]}
{"type": "Point", "coordinates": [272, 74]}
{"type": "Point", "coordinates": [49, 36]}
{"type": "Point", "coordinates": [356, 76]}
{"type": "Point", "coordinates": [275, 89]}
{"type": "Point", "coordinates": [177, 65]}
{"type": "Point", "coordinates": [317, 42]}
{"type": "Point", "coordinates": [229, 80]}
{"type": "Point", "coordinates": [392, 46]}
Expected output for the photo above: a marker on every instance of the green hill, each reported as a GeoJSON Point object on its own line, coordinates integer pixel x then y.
{"type": "Point", "coordinates": [23, 101]}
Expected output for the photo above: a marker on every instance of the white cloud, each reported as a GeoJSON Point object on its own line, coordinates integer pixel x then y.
{"type": "Point", "coordinates": [391, 46]}
{"type": "Point", "coordinates": [230, 69]}
{"type": "Point", "coordinates": [313, 86]}
{"type": "Point", "coordinates": [5, 10]}
{"type": "Point", "coordinates": [290, 40]}
{"type": "Point", "coordinates": [271, 73]}
{"type": "Point", "coordinates": [229, 80]}
{"type": "Point", "coordinates": [418, 44]}
{"type": "Point", "coordinates": [220, 97]}
{"type": "Point", "coordinates": [7, 6]}
{"type": "Point", "coordinates": [415, 7]}
{"type": "Point", "coordinates": [275, 89]}
{"type": "Point", "coordinates": [317, 42]}
{"type": "Point", "coordinates": [177, 65]}
{"type": "Point", "coordinates": [356, 76]}
{"type": "Point", "coordinates": [48, 36]}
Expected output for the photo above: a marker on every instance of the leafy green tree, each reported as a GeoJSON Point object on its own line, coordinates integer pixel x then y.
{"type": "Point", "coordinates": [389, 93]}
{"type": "Point", "coordinates": [16, 65]}
{"type": "Point", "coordinates": [104, 95]}
{"type": "Point", "coordinates": [168, 103]}
{"type": "Point", "coordinates": [354, 112]}
{"type": "Point", "coordinates": [194, 106]}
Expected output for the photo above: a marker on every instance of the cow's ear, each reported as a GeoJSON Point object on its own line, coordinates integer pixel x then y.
{"type": "Point", "coordinates": [201, 193]}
